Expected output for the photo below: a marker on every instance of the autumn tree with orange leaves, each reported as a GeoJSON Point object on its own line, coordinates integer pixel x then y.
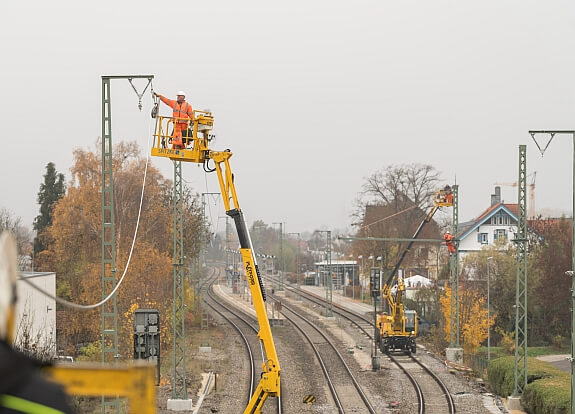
{"type": "Point", "coordinates": [474, 323]}
{"type": "Point", "coordinates": [74, 244]}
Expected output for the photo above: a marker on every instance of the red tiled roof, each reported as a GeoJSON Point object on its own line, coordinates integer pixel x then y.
{"type": "Point", "coordinates": [514, 208]}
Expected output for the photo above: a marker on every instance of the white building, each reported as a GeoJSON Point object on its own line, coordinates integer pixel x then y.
{"type": "Point", "coordinates": [35, 327]}
{"type": "Point", "coordinates": [496, 224]}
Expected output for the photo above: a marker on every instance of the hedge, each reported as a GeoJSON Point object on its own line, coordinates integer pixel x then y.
{"type": "Point", "coordinates": [548, 389]}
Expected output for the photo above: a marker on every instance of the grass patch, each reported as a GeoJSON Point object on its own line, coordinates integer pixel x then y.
{"type": "Point", "coordinates": [532, 351]}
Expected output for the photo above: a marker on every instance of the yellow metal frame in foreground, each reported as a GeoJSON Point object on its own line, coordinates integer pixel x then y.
{"type": "Point", "coordinates": [135, 382]}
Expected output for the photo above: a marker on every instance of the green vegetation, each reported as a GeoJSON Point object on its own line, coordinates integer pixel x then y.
{"type": "Point", "coordinates": [532, 351]}
{"type": "Point", "coordinates": [548, 389]}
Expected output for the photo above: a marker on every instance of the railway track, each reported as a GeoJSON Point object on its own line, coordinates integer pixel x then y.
{"type": "Point", "coordinates": [246, 327]}
{"type": "Point", "coordinates": [346, 392]}
{"type": "Point", "coordinates": [363, 323]}
{"type": "Point", "coordinates": [432, 394]}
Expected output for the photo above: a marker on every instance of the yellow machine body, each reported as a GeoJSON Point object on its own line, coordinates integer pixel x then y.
{"type": "Point", "coordinates": [137, 382]}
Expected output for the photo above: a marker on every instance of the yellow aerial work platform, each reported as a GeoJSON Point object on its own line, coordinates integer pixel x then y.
{"type": "Point", "coordinates": [196, 145]}
{"type": "Point", "coordinates": [199, 133]}
{"type": "Point", "coordinates": [443, 198]}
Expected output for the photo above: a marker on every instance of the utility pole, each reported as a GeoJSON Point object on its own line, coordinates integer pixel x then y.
{"type": "Point", "coordinates": [488, 312]}
{"type": "Point", "coordinates": [281, 267]}
{"type": "Point", "coordinates": [205, 239]}
{"type": "Point", "coordinates": [179, 387]}
{"type": "Point", "coordinates": [552, 134]}
{"type": "Point", "coordinates": [109, 271]}
{"type": "Point", "coordinates": [328, 279]}
{"type": "Point", "coordinates": [374, 283]}
{"type": "Point", "coordinates": [227, 250]}
{"type": "Point", "coordinates": [298, 295]}
{"type": "Point", "coordinates": [454, 352]}
{"type": "Point", "coordinates": [520, 377]}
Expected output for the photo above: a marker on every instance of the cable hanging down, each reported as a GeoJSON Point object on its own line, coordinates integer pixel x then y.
{"type": "Point", "coordinates": [107, 298]}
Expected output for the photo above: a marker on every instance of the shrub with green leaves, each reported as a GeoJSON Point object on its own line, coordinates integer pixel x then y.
{"type": "Point", "coordinates": [548, 389]}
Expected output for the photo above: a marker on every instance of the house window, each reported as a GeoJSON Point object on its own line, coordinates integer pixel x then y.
{"type": "Point", "coordinates": [500, 235]}
{"type": "Point", "coordinates": [483, 238]}
{"type": "Point", "coordinates": [501, 219]}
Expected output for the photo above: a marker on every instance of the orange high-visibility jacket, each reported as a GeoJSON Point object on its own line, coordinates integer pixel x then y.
{"type": "Point", "coordinates": [183, 110]}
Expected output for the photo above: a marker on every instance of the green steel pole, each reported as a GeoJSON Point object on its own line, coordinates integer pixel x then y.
{"type": "Point", "coordinates": [571, 272]}
{"type": "Point", "coordinates": [282, 259]}
{"type": "Point", "coordinates": [520, 369]}
{"type": "Point", "coordinates": [455, 230]}
{"type": "Point", "coordinates": [297, 265]}
{"type": "Point", "coordinates": [110, 308]}
{"type": "Point", "coordinates": [573, 283]}
{"type": "Point", "coordinates": [179, 387]}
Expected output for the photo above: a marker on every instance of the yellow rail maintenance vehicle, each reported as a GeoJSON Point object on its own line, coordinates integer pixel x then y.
{"type": "Point", "coordinates": [397, 327]}
{"type": "Point", "coordinates": [196, 149]}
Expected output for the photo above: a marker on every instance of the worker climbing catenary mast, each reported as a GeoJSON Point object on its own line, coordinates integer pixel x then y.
{"type": "Point", "coordinates": [448, 237]}
{"type": "Point", "coordinates": [22, 387]}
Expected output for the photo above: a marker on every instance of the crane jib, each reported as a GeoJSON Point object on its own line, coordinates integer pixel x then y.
{"type": "Point", "coordinates": [426, 220]}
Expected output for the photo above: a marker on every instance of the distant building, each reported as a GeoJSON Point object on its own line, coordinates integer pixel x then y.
{"type": "Point", "coordinates": [344, 273]}
{"type": "Point", "coordinates": [497, 224]}
{"type": "Point", "coordinates": [35, 328]}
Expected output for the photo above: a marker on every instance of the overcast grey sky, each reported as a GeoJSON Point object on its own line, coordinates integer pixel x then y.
{"type": "Point", "coordinates": [311, 96]}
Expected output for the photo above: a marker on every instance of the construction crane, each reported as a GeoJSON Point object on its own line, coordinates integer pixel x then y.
{"type": "Point", "coordinates": [533, 176]}
{"type": "Point", "coordinates": [398, 328]}
{"type": "Point", "coordinates": [197, 150]}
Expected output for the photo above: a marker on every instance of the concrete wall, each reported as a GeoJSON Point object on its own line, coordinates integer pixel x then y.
{"type": "Point", "coordinates": [36, 313]}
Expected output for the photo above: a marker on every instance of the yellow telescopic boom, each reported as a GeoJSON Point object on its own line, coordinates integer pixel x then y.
{"type": "Point", "coordinates": [197, 150]}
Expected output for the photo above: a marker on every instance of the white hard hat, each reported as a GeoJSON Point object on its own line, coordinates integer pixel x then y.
{"type": "Point", "coordinates": [181, 93]}
{"type": "Point", "coordinates": [447, 232]}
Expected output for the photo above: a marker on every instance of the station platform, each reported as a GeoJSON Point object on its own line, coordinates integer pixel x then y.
{"type": "Point", "coordinates": [354, 305]}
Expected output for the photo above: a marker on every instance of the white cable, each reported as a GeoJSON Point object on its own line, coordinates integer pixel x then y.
{"type": "Point", "coordinates": [107, 298]}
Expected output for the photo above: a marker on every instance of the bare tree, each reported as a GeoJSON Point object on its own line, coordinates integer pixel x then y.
{"type": "Point", "coordinates": [392, 203]}
{"type": "Point", "coordinates": [395, 184]}
{"type": "Point", "coordinates": [13, 224]}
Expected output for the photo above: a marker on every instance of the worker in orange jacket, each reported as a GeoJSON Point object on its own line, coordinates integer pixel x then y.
{"type": "Point", "coordinates": [183, 115]}
{"type": "Point", "coordinates": [448, 237]}
{"type": "Point", "coordinates": [448, 194]}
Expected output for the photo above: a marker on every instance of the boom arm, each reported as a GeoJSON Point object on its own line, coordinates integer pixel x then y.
{"type": "Point", "coordinates": [395, 304]}
{"type": "Point", "coordinates": [426, 220]}
{"type": "Point", "coordinates": [200, 153]}
{"type": "Point", "coordinates": [270, 380]}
